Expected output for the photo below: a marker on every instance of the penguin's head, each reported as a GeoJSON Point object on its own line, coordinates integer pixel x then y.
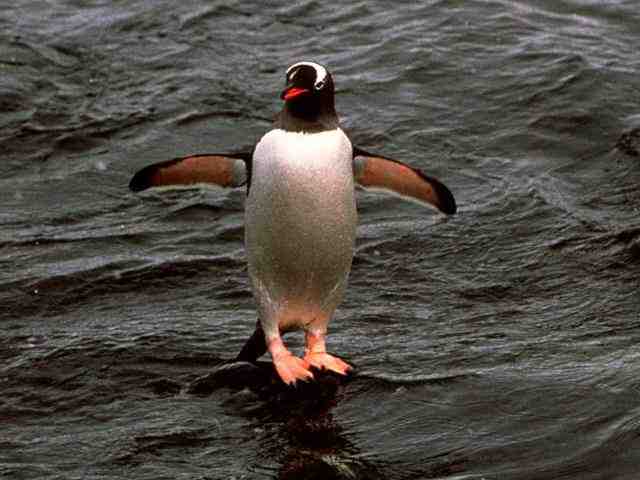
{"type": "Point", "coordinates": [309, 91]}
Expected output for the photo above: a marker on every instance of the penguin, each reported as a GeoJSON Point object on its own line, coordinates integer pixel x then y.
{"type": "Point", "coordinates": [300, 215]}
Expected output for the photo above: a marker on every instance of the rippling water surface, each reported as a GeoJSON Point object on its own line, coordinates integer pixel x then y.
{"type": "Point", "coordinates": [500, 343]}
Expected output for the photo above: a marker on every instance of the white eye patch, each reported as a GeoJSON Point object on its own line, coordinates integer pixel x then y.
{"type": "Point", "coordinates": [321, 72]}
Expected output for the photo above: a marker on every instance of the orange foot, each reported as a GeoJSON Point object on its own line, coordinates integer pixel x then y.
{"type": "Point", "coordinates": [322, 360]}
{"type": "Point", "coordinates": [291, 368]}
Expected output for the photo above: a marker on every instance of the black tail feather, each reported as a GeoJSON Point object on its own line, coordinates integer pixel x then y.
{"type": "Point", "coordinates": [255, 347]}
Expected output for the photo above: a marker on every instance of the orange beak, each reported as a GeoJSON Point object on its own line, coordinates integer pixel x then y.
{"type": "Point", "coordinates": [293, 92]}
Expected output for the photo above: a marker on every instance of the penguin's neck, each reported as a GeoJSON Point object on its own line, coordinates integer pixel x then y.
{"type": "Point", "coordinates": [292, 119]}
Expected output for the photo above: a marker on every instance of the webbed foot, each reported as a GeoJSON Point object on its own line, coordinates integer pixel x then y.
{"type": "Point", "coordinates": [291, 369]}
{"type": "Point", "coordinates": [323, 360]}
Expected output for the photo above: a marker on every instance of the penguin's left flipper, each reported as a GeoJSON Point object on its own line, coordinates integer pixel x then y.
{"type": "Point", "coordinates": [375, 171]}
{"type": "Point", "coordinates": [222, 169]}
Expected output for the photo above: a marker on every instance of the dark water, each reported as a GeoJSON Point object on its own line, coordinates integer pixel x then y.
{"type": "Point", "coordinates": [501, 343]}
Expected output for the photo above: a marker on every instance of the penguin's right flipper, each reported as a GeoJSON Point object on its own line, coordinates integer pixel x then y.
{"type": "Point", "coordinates": [222, 169]}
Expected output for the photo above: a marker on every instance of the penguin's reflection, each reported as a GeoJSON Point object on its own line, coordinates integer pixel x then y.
{"type": "Point", "coordinates": [296, 425]}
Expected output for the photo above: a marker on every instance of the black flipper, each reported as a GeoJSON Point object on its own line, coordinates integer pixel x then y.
{"type": "Point", "coordinates": [222, 169]}
{"type": "Point", "coordinates": [375, 171]}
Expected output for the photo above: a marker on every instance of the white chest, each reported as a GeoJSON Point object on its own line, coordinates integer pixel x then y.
{"type": "Point", "coordinates": [301, 159]}
{"type": "Point", "coordinates": [300, 222]}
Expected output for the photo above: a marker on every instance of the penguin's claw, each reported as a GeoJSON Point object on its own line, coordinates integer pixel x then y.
{"type": "Point", "coordinates": [291, 369]}
{"type": "Point", "coordinates": [322, 360]}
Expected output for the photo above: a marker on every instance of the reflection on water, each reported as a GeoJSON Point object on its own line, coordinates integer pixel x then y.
{"type": "Point", "coordinates": [296, 426]}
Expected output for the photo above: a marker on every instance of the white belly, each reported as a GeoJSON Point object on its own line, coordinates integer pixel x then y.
{"type": "Point", "coordinates": [300, 227]}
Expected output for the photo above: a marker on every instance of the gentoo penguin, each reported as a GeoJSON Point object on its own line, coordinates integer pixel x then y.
{"type": "Point", "coordinates": [300, 215]}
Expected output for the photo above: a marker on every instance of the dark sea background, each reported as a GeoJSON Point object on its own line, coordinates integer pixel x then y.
{"type": "Point", "coordinates": [499, 343]}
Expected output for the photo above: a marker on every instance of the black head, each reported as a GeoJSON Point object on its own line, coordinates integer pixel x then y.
{"type": "Point", "coordinates": [309, 98]}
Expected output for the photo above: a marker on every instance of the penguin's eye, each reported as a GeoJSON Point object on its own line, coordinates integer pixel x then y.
{"type": "Point", "coordinates": [319, 85]}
